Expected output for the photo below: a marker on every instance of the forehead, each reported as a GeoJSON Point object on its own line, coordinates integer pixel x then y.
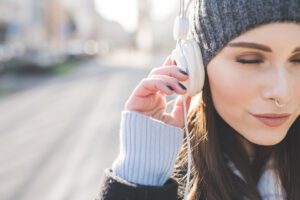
{"type": "Point", "coordinates": [279, 38]}
{"type": "Point", "coordinates": [274, 33]}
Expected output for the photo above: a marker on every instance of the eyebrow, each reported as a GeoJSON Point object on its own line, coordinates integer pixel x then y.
{"type": "Point", "coordinates": [296, 49]}
{"type": "Point", "coordinates": [251, 46]}
{"type": "Point", "coordinates": [256, 46]}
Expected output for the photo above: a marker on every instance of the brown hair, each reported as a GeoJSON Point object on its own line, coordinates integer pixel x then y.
{"type": "Point", "coordinates": [212, 138]}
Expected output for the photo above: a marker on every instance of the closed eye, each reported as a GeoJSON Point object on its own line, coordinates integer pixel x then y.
{"type": "Point", "coordinates": [296, 61]}
{"type": "Point", "coordinates": [243, 61]}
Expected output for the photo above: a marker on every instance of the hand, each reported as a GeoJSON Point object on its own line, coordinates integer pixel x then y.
{"type": "Point", "coordinates": [149, 97]}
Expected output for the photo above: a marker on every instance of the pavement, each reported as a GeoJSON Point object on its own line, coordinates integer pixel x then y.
{"type": "Point", "coordinates": [59, 133]}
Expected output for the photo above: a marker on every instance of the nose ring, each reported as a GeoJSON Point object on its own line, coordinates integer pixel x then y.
{"type": "Point", "coordinates": [279, 105]}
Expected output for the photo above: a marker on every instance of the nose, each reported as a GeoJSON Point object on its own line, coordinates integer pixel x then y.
{"type": "Point", "coordinates": [279, 86]}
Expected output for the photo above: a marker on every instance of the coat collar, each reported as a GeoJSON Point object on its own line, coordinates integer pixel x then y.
{"type": "Point", "coordinates": [269, 184]}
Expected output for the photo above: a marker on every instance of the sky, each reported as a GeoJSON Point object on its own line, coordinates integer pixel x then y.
{"type": "Point", "coordinates": [125, 11]}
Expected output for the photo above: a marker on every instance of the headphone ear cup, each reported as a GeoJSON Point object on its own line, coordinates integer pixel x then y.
{"type": "Point", "coordinates": [188, 57]}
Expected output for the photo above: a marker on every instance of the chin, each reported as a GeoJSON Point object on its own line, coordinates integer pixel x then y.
{"type": "Point", "coordinates": [267, 141]}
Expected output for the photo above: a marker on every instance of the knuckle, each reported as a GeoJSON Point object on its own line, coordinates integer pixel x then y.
{"type": "Point", "coordinates": [153, 71]}
{"type": "Point", "coordinates": [173, 80]}
{"type": "Point", "coordinates": [143, 81]}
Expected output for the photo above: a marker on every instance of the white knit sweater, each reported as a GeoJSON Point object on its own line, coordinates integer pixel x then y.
{"type": "Point", "coordinates": [148, 150]}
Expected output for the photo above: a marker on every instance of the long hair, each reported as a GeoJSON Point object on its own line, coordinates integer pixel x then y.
{"type": "Point", "coordinates": [212, 138]}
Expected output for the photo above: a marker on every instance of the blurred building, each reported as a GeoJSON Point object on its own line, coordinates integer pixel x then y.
{"type": "Point", "coordinates": [154, 35]}
{"type": "Point", "coordinates": [163, 35]}
{"type": "Point", "coordinates": [45, 32]}
{"type": "Point", "coordinates": [92, 26]}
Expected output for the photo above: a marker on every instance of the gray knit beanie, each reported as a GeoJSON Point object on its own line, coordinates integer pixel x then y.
{"type": "Point", "coordinates": [217, 22]}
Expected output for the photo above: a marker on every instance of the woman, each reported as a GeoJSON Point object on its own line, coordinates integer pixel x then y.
{"type": "Point", "coordinates": [245, 129]}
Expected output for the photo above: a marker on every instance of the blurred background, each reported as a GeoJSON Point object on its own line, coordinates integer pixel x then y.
{"type": "Point", "coordinates": [66, 70]}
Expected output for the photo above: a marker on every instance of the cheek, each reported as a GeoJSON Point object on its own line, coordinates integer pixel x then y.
{"type": "Point", "coordinates": [297, 90]}
{"type": "Point", "coordinates": [228, 95]}
{"type": "Point", "coordinates": [297, 94]}
{"type": "Point", "coordinates": [233, 93]}
{"type": "Point", "coordinates": [230, 91]}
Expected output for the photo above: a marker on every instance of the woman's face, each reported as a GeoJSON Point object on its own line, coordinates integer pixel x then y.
{"type": "Point", "coordinates": [255, 68]}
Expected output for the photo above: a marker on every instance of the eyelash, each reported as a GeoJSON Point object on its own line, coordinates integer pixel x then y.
{"type": "Point", "coordinates": [249, 61]}
{"type": "Point", "coordinates": [297, 61]}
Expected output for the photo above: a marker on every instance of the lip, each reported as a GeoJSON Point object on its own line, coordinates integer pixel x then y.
{"type": "Point", "coordinates": [272, 120]}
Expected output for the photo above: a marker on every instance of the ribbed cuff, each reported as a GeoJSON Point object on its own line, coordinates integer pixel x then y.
{"type": "Point", "coordinates": [148, 149]}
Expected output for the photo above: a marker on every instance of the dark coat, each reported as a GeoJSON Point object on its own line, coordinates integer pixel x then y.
{"type": "Point", "coordinates": [114, 188]}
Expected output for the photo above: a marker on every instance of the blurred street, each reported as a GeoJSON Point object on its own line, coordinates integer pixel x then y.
{"type": "Point", "coordinates": [67, 68]}
{"type": "Point", "coordinates": [58, 134]}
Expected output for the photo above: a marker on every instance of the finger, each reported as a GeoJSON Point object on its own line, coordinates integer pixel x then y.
{"type": "Point", "coordinates": [178, 112]}
{"type": "Point", "coordinates": [168, 61]}
{"type": "Point", "coordinates": [178, 87]}
{"type": "Point", "coordinates": [146, 105]}
{"type": "Point", "coordinates": [168, 119]}
{"type": "Point", "coordinates": [171, 70]}
{"type": "Point", "coordinates": [151, 86]}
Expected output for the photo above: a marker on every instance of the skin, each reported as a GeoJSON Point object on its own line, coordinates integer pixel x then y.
{"type": "Point", "coordinates": [240, 89]}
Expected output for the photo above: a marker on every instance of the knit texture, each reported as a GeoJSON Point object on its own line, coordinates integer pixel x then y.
{"type": "Point", "coordinates": [216, 22]}
{"type": "Point", "coordinates": [148, 149]}
{"type": "Point", "coordinates": [148, 153]}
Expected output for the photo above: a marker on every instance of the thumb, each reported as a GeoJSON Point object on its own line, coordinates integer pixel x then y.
{"type": "Point", "coordinates": [178, 112]}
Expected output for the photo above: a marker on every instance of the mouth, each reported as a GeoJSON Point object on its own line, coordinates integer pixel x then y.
{"type": "Point", "coordinates": [272, 120]}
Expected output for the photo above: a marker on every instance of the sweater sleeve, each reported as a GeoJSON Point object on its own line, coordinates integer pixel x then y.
{"type": "Point", "coordinates": [148, 149]}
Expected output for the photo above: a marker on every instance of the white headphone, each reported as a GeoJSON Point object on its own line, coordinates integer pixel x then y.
{"type": "Point", "coordinates": [187, 54]}
{"type": "Point", "coordinates": [188, 57]}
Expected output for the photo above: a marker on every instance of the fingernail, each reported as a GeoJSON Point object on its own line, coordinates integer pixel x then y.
{"type": "Point", "coordinates": [170, 87]}
{"type": "Point", "coordinates": [183, 72]}
{"type": "Point", "coordinates": [182, 86]}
